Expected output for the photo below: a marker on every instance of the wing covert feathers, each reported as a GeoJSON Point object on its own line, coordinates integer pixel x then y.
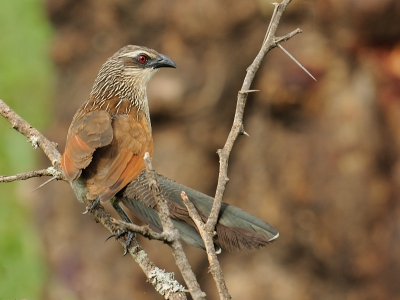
{"type": "Point", "coordinates": [106, 151]}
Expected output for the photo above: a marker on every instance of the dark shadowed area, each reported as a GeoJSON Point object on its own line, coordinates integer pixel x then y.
{"type": "Point", "coordinates": [321, 164]}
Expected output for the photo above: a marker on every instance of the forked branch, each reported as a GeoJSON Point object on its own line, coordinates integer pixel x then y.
{"type": "Point", "coordinates": [170, 231]}
{"type": "Point", "coordinates": [270, 42]}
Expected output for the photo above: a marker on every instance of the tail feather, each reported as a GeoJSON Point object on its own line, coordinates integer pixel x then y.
{"type": "Point", "coordinates": [236, 229]}
{"type": "Point", "coordinates": [230, 216]}
{"type": "Point", "coordinates": [150, 216]}
{"type": "Point", "coordinates": [239, 239]}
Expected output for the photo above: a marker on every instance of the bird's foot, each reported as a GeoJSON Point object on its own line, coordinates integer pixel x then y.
{"type": "Point", "coordinates": [129, 238]}
{"type": "Point", "coordinates": [92, 206]}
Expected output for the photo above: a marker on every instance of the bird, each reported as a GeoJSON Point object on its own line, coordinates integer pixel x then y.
{"type": "Point", "coordinates": [104, 156]}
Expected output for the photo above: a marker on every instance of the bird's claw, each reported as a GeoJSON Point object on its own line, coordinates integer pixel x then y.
{"type": "Point", "coordinates": [92, 206]}
{"type": "Point", "coordinates": [128, 241]}
{"type": "Point", "coordinates": [111, 236]}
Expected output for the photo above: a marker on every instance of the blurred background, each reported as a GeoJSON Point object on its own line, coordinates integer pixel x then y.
{"type": "Point", "coordinates": [321, 164]}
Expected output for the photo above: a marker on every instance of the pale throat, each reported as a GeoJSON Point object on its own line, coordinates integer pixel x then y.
{"type": "Point", "coordinates": [129, 84]}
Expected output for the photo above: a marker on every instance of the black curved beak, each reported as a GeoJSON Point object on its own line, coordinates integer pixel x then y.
{"type": "Point", "coordinates": [162, 61]}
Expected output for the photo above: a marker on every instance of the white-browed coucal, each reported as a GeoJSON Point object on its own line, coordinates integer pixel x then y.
{"type": "Point", "coordinates": [106, 143]}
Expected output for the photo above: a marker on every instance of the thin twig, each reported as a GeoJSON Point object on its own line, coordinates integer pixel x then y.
{"type": "Point", "coordinates": [215, 268]}
{"type": "Point", "coordinates": [25, 176]}
{"type": "Point", "coordinates": [169, 230]}
{"type": "Point", "coordinates": [288, 36]}
{"type": "Point", "coordinates": [145, 231]}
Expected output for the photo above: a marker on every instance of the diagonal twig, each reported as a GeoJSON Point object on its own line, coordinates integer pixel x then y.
{"type": "Point", "coordinates": [215, 268]}
{"type": "Point", "coordinates": [169, 230]}
{"type": "Point", "coordinates": [38, 140]}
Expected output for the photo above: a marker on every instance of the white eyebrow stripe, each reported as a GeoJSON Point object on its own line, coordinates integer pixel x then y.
{"type": "Point", "coordinates": [135, 53]}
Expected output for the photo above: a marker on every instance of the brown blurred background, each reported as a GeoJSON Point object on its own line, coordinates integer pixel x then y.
{"type": "Point", "coordinates": [321, 164]}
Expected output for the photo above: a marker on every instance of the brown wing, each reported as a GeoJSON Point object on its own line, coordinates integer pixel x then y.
{"type": "Point", "coordinates": [122, 161]}
{"type": "Point", "coordinates": [87, 133]}
{"type": "Point", "coordinates": [108, 155]}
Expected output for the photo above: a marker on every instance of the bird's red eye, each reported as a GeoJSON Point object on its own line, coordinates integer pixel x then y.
{"type": "Point", "coordinates": [142, 59]}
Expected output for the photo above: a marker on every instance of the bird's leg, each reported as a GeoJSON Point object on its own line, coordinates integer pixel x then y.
{"type": "Point", "coordinates": [124, 217]}
{"type": "Point", "coordinates": [92, 206]}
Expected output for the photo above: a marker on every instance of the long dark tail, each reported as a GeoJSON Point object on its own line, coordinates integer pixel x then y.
{"type": "Point", "coordinates": [236, 229]}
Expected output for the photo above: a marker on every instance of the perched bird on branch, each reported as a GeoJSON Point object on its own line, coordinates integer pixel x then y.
{"type": "Point", "coordinates": [106, 143]}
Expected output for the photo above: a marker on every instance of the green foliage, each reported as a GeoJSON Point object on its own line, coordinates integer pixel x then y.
{"type": "Point", "coordinates": [25, 85]}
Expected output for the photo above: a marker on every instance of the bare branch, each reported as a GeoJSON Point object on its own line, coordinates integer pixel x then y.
{"type": "Point", "coordinates": [169, 230]}
{"type": "Point", "coordinates": [215, 268]}
{"type": "Point", "coordinates": [145, 231]}
{"type": "Point", "coordinates": [238, 127]}
{"type": "Point", "coordinates": [28, 175]}
{"type": "Point", "coordinates": [287, 36]}
{"type": "Point", "coordinates": [37, 139]}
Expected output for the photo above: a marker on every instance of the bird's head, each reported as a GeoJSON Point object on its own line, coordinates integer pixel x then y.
{"type": "Point", "coordinates": [127, 72]}
{"type": "Point", "coordinates": [141, 63]}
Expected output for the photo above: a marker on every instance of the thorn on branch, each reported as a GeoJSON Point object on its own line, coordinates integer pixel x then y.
{"type": "Point", "coordinates": [43, 184]}
{"type": "Point", "coordinates": [296, 61]}
{"type": "Point", "coordinates": [248, 91]}
{"type": "Point", "coordinates": [242, 131]}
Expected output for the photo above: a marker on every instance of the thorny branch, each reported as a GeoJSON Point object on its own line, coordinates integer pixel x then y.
{"type": "Point", "coordinates": [238, 126]}
{"type": "Point", "coordinates": [270, 42]}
